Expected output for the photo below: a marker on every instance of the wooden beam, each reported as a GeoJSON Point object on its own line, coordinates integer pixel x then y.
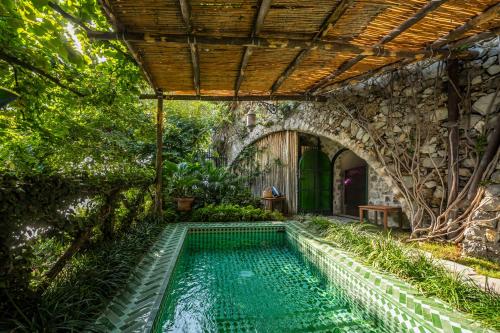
{"type": "Point", "coordinates": [327, 24]}
{"type": "Point", "coordinates": [423, 12]}
{"type": "Point", "coordinates": [159, 158]}
{"type": "Point", "coordinates": [254, 98]}
{"type": "Point", "coordinates": [272, 43]}
{"type": "Point", "coordinates": [289, 70]}
{"type": "Point", "coordinates": [195, 61]}
{"type": "Point", "coordinates": [193, 48]}
{"type": "Point", "coordinates": [265, 5]}
{"type": "Point", "coordinates": [488, 15]}
{"type": "Point", "coordinates": [186, 14]}
{"type": "Point", "coordinates": [106, 8]}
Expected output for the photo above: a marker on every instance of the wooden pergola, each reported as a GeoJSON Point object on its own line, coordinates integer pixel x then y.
{"type": "Point", "coordinates": [239, 50]}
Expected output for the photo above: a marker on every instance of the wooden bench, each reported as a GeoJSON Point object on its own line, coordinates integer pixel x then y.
{"type": "Point", "coordinates": [385, 210]}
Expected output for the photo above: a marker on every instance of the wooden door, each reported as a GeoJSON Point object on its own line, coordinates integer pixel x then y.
{"type": "Point", "coordinates": [315, 183]}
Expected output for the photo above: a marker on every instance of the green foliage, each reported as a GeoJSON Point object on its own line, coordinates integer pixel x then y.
{"type": "Point", "coordinates": [207, 183]}
{"type": "Point", "coordinates": [83, 288]}
{"type": "Point", "coordinates": [389, 255]}
{"type": "Point", "coordinates": [233, 213]}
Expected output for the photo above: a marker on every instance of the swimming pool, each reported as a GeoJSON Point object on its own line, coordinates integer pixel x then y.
{"type": "Point", "coordinates": [267, 277]}
{"type": "Point", "coordinates": [254, 282]}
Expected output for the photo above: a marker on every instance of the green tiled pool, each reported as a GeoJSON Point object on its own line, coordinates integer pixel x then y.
{"type": "Point", "coordinates": [267, 277]}
{"type": "Point", "coordinates": [254, 282]}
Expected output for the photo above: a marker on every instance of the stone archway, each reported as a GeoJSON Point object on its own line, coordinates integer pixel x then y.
{"type": "Point", "coordinates": [312, 119]}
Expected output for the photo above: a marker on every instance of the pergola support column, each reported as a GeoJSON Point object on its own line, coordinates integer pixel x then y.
{"type": "Point", "coordinates": [159, 158]}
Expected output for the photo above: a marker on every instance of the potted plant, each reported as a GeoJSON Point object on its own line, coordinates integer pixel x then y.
{"type": "Point", "coordinates": [183, 184]}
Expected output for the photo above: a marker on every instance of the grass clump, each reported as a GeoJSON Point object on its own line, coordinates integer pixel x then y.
{"type": "Point", "coordinates": [389, 255]}
{"type": "Point", "coordinates": [233, 213]}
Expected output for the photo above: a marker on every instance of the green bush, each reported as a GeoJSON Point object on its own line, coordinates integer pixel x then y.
{"type": "Point", "coordinates": [233, 213]}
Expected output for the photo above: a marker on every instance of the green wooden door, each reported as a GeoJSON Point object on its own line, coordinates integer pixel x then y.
{"type": "Point", "coordinates": [315, 183]}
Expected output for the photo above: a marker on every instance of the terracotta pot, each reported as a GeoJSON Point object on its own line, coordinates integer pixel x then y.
{"type": "Point", "coordinates": [184, 204]}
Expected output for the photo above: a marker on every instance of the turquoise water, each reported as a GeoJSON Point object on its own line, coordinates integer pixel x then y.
{"type": "Point", "coordinates": [253, 282]}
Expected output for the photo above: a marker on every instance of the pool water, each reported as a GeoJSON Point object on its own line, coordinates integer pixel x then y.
{"type": "Point", "coordinates": [242, 282]}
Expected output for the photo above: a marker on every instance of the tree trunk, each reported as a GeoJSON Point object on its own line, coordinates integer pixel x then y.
{"type": "Point", "coordinates": [453, 132]}
{"type": "Point", "coordinates": [489, 154]}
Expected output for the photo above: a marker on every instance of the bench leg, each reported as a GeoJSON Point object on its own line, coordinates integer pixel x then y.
{"type": "Point", "coordinates": [385, 220]}
{"type": "Point", "coordinates": [376, 217]}
{"type": "Point", "coordinates": [401, 219]}
{"type": "Point", "coordinates": [360, 215]}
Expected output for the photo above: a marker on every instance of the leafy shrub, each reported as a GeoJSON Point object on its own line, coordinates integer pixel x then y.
{"type": "Point", "coordinates": [233, 213]}
{"type": "Point", "coordinates": [403, 260]}
{"type": "Point", "coordinates": [81, 291]}
{"type": "Point", "coordinates": [207, 183]}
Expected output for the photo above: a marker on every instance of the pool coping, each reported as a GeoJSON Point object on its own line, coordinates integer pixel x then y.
{"type": "Point", "coordinates": [135, 308]}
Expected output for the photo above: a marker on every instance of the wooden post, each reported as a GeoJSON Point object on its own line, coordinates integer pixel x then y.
{"type": "Point", "coordinates": [453, 135]}
{"type": "Point", "coordinates": [159, 158]}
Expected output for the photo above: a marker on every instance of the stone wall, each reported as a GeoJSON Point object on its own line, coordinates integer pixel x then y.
{"type": "Point", "coordinates": [392, 104]}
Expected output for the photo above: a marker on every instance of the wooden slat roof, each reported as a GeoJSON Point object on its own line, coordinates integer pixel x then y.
{"type": "Point", "coordinates": [188, 67]}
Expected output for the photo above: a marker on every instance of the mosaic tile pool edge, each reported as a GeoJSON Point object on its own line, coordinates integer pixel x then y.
{"type": "Point", "coordinates": [401, 307]}
{"type": "Point", "coordinates": [135, 308]}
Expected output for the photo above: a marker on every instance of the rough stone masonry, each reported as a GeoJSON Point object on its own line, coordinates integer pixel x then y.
{"type": "Point", "coordinates": [389, 103]}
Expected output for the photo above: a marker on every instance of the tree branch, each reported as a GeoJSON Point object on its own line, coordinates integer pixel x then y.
{"type": "Point", "coordinates": [14, 61]}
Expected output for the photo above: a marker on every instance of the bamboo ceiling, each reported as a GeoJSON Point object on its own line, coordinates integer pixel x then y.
{"type": "Point", "coordinates": [258, 48]}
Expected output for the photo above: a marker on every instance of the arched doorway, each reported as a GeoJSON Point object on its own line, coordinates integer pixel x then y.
{"type": "Point", "coordinates": [315, 179]}
{"type": "Point", "coordinates": [351, 182]}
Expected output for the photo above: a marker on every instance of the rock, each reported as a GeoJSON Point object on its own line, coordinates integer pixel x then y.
{"type": "Point", "coordinates": [491, 235]}
{"type": "Point", "coordinates": [345, 123]}
{"type": "Point", "coordinates": [365, 138]}
{"type": "Point", "coordinates": [430, 184]}
{"type": "Point", "coordinates": [408, 181]}
{"type": "Point", "coordinates": [354, 129]}
{"type": "Point", "coordinates": [427, 162]}
{"type": "Point", "coordinates": [359, 134]}
{"type": "Point", "coordinates": [428, 149]}
{"type": "Point", "coordinates": [490, 204]}
{"type": "Point", "coordinates": [476, 80]}
{"type": "Point", "coordinates": [489, 62]}
{"type": "Point", "coordinates": [492, 122]}
{"type": "Point", "coordinates": [479, 126]}
{"type": "Point", "coordinates": [410, 91]}
{"type": "Point", "coordinates": [432, 70]}
{"type": "Point", "coordinates": [440, 114]}
{"type": "Point", "coordinates": [495, 177]}
{"type": "Point", "coordinates": [428, 91]}
{"type": "Point", "coordinates": [469, 121]}
{"type": "Point", "coordinates": [485, 219]}
{"type": "Point", "coordinates": [482, 104]}
{"type": "Point", "coordinates": [464, 172]}
{"type": "Point", "coordinates": [438, 193]}
{"type": "Point", "coordinates": [468, 163]}
{"type": "Point", "coordinates": [494, 51]}
{"type": "Point", "coordinates": [493, 70]}
{"type": "Point", "coordinates": [492, 190]}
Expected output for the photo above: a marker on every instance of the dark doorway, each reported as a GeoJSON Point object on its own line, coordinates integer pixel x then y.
{"type": "Point", "coordinates": [350, 182]}
{"type": "Point", "coordinates": [315, 181]}
{"type": "Point", "coordinates": [355, 181]}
